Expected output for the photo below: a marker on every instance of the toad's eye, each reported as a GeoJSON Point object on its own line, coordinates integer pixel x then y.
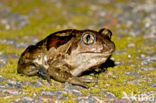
{"type": "Point", "coordinates": [88, 38]}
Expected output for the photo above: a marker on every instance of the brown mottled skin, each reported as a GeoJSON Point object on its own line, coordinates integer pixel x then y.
{"type": "Point", "coordinates": [64, 55]}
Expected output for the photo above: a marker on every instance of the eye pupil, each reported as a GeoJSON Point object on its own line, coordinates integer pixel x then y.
{"type": "Point", "coordinates": [88, 38]}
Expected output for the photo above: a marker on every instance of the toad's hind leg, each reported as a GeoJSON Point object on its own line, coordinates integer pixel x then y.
{"type": "Point", "coordinates": [31, 69]}
{"type": "Point", "coordinates": [63, 75]}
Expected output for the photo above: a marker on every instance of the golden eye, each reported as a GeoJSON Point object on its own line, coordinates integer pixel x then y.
{"type": "Point", "coordinates": [88, 38]}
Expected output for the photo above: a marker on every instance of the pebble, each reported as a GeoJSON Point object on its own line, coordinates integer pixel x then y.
{"type": "Point", "coordinates": [2, 86]}
{"type": "Point", "coordinates": [36, 84]}
{"type": "Point", "coordinates": [142, 55]}
{"type": "Point", "coordinates": [27, 100]}
{"type": "Point", "coordinates": [74, 91]}
{"type": "Point", "coordinates": [2, 78]}
{"type": "Point", "coordinates": [153, 58]}
{"type": "Point", "coordinates": [131, 45]}
{"type": "Point", "coordinates": [15, 84]}
{"type": "Point", "coordinates": [147, 69]}
{"type": "Point", "coordinates": [115, 77]}
{"type": "Point", "coordinates": [117, 63]}
{"type": "Point", "coordinates": [129, 56]}
{"type": "Point", "coordinates": [146, 61]}
{"type": "Point", "coordinates": [110, 95]}
{"type": "Point", "coordinates": [153, 85]}
{"type": "Point", "coordinates": [122, 100]}
{"type": "Point", "coordinates": [11, 91]}
{"type": "Point", "coordinates": [133, 82]}
{"type": "Point", "coordinates": [52, 94]}
{"type": "Point", "coordinates": [133, 73]}
{"type": "Point", "coordinates": [87, 99]}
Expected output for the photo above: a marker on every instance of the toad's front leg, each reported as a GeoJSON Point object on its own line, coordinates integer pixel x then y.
{"type": "Point", "coordinates": [62, 74]}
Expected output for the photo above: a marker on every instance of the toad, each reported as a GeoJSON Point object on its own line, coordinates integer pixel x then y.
{"type": "Point", "coordinates": [66, 54]}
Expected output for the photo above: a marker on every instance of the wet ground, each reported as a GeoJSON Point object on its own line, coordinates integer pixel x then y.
{"type": "Point", "coordinates": [133, 23]}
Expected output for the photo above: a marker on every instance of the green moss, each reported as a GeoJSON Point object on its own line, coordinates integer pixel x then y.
{"type": "Point", "coordinates": [69, 101]}
{"type": "Point", "coordinates": [25, 7]}
{"type": "Point", "coordinates": [9, 99]}
{"type": "Point", "coordinates": [10, 68]}
{"type": "Point", "coordinates": [69, 95]}
{"type": "Point", "coordinates": [95, 90]}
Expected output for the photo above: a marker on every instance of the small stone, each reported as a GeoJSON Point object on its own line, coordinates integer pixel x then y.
{"type": "Point", "coordinates": [56, 94]}
{"type": "Point", "coordinates": [133, 82]}
{"type": "Point", "coordinates": [129, 56]}
{"type": "Point", "coordinates": [110, 95]}
{"type": "Point", "coordinates": [133, 73]}
{"type": "Point", "coordinates": [107, 84]}
{"type": "Point", "coordinates": [69, 86]}
{"type": "Point", "coordinates": [123, 100]}
{"type": "Point", "coordinates": [132, 65]}
{"type": "Point", "coordinates": [115, 77]}
{"type": "Point", "coordinates": [147, 69]}
{"type": "Point", "coordinates": [146, 61]}
{"type": "Point", "coordinates": [142, 55]}
{"type": "Point", "coordinates": [117, 63]}
{"type": "Point", "coordinates": [12, 91]}
{"type": "Point", "coordinates": [153, 85]}
{"type": "Point", "coordinates": [82, 99]}
{"type": "Point", "coordinates": [153, 57]}
{"type": "Point", "coordinates": [34, 40]}
{"type": "Point", "coordinates": [112, 58]}
{"type": "Point", "coordinates": [90, 99]}
{"type": "Point", "coordinates": [151, 52]}
{"type": "Point", "coordinates": [2, 78]}
{"type": "Point", "coordinates": [131, 45]}
{"type": "Point", "coordinates": [27, 99]}
{"type": "Point", "coordinates": [15, 84]}
{"type": "Point", "coordinates": [76, 92]}
{"type": "Point", "coordinates": [38, 100]}
{"type": "Point", "coordinates": [2, 86]}
{"type": "Point", "coordinates": [36, 84]}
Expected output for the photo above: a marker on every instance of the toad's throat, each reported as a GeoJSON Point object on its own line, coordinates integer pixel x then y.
{"type": "Point", "coordinates": [86, 64]}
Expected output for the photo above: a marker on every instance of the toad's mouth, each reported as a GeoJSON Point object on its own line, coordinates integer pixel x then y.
{"type": "Point", "coordinates": [102, 52]}
{"type": "Point", "coordinates": [108, 53]}
{"type": "Point", "coordinates": [96, 54]}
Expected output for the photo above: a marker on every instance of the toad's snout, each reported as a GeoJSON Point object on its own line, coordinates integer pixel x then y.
{"type": "Point", "coordinates": [111, 47]}
{"type": "Point", "coordinates": [108, 47]}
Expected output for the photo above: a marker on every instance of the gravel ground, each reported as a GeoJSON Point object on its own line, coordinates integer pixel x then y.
{"type": "Point", "coordinates": [129, 20]}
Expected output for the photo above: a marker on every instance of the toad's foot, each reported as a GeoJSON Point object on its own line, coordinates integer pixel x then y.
{"type": "Point", "coordinates": [44, 74]}
{"type": "Point", "coordinates": [62, 75]}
